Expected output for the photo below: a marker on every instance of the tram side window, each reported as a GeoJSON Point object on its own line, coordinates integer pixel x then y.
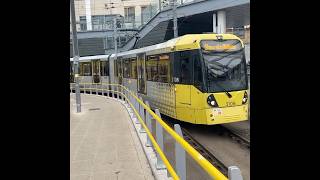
{"type": "Point", "coordinates": [126, 68]}
{"type": "Point", "coordinates": [152, 68]}
{"type": "Point", "coordinates": [133, 66]}
{"type": "Point", "coordinates": [85, 69]}
{"type": "Point", "coordinates": [164, 68]}
{"type": "Point", "coordinates": [104, 68]}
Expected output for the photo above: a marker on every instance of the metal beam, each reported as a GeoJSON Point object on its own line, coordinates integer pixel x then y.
{"type": "Point", "coordinates": [100, 34]}
{"type": "Point", "coordinates": [187, 9]}
{"type": "Point", "coordinates": [75, 55]}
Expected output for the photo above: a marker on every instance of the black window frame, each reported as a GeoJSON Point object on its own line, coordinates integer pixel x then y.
{"type": "Point", "coordinates": [134, 70]}
{"type": "Point", "coordinates": [104, 68]}
{"type": "Point", "coordinates": [157, 77]}
{"type": "Point", "coordinates": [81, 66]}
{"type": "Point", "coordinates": [126, 68]}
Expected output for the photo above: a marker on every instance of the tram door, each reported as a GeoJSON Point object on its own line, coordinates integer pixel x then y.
{"type": "Point", "coordinates": [96, 71]}
{"type": "Point", "coordinates": [141, 67]}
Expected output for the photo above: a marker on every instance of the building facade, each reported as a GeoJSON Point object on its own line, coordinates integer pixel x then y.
{"type": "Point", "coordinates": [99, 14]}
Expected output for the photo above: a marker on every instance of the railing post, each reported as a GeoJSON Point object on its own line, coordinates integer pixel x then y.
{"type": "Point", "coordinates": [91, 88]}
{"type": "Point", "coordinates": [127, 95]}
{"type": "Point", "coordinates": [121, 90]}
{"type": "Point", "coordinates": [115, 91]}
{"type": "Point", "coordinates": [159, 133]}
{"type": "Point", "coordinates": [234, 173]}
{"type": "Point", "coordinates": [96, 88]}
{"type": "Point", "coordinates": [180, 155]}
{"type": "Point", "coordinates": [124, 92]}
{"type": "Point", "coordinates": [141, 112]}
{"type": "Point", "coordinates": [111, 90]}
{"type": "Point", "coordinates": [118, 97]}
{"type": "Point", "coordinates": [148, 122]}
{"type": "Point", "coordinates": [136, 103]}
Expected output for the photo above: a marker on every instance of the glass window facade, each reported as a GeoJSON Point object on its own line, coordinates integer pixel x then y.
{"type": "Point", "coordinates": [129, 14]}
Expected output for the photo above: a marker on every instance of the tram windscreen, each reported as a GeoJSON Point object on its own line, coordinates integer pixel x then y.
{"type": "Point", "coordinates": [225, 68]}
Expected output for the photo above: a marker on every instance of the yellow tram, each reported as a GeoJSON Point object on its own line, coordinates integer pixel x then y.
{"type": "Point", "coordinates": [196, 78]}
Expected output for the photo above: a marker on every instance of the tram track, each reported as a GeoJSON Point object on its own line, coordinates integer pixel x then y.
{"type": "Point", "coordinates": [204, 152]}
{"type": "Point", "coordinates": [221, 146]}
{"type": "Point", "coordinates": [237, 136]}
{"type": "Point", "coordinates": [199, 147]}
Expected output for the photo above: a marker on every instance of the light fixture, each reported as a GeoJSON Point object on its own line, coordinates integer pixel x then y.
{"type": "Point", "coordinates": [245, 98]}
{"type": "Point", "coordinates": [212, 101]}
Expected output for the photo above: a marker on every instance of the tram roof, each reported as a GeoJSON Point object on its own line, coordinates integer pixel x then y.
{"type": "Point", "coordinates": [86, 58]}
{"type": "Point", "coordinates": [186, 42]}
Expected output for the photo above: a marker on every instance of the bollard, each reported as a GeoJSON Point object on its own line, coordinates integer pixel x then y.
{"type": "Point", "coordinates": [97, 89]}
{"type": "Point", "coordinates": [90, 88]}
{"type": "Point", "coordinates": [234, 173]}
{"type": "Point", "coordinates": [180, 156]}
{"type": "Point", "coordinates": [148, 122]}
{"type": "Point", "coordinates": [159, 134]}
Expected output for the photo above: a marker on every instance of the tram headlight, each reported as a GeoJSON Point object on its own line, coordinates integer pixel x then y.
{"type": "Point", "coordinates": [212, 101]}
{"type": "Point", "coordinates": [245, 98]}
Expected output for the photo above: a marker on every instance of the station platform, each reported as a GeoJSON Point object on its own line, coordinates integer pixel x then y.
{"type": "Point", "coordinates": [103, 142]}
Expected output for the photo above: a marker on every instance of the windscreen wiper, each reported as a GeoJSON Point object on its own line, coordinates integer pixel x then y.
{"type": "Point", "coordinates": [224, 90]}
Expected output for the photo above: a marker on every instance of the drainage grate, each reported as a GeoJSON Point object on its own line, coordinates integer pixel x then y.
{"type": "Point", "coordinates": [94, 109]}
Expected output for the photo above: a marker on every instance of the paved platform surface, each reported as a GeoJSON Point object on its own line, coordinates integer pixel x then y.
{"type": "Point", "coordinates": [103, 142]}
